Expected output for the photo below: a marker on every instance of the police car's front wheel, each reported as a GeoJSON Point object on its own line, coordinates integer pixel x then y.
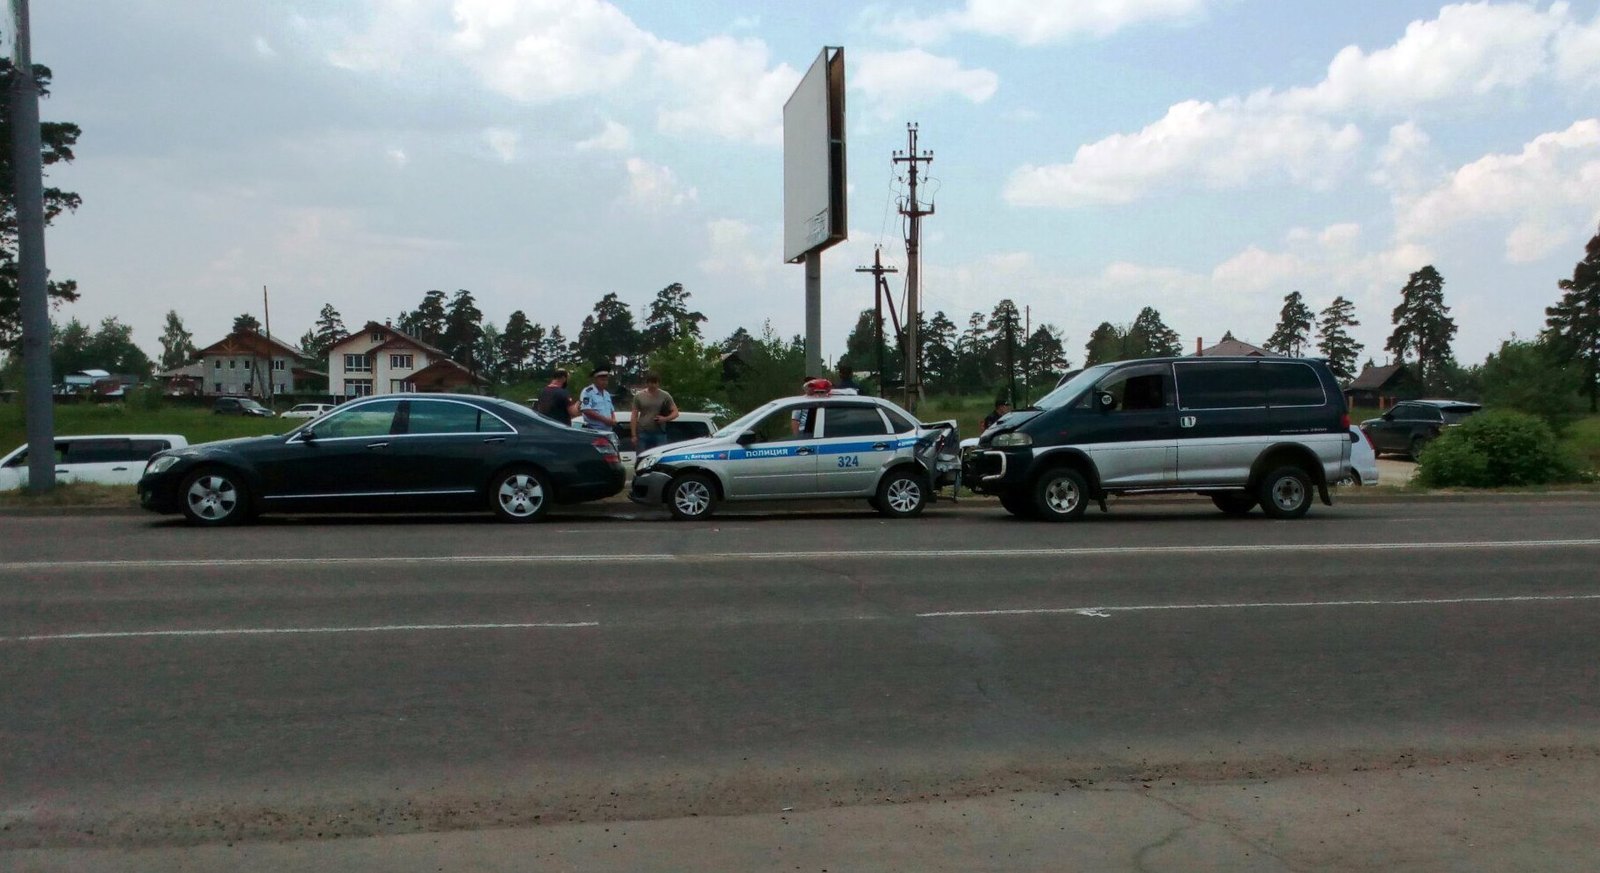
{"type": "Point", "coordinates": [902, 494]}
{"type": "Point", "coordinates": [692, 496]}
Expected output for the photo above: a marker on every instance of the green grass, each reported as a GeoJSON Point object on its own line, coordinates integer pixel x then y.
{"type": "Point", "coordinates": [74, 494]}
{"type": "Point", "coordinates": [1582, 439]}
{"type": "Point", "coordinates": [196, 424]}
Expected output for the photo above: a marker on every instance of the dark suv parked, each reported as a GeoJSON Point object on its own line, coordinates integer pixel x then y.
{"type": "Point", "coordinates": [1242, 431]}
{"type": "Point", "coordinates": [1409, 426]}
{"type": "Point", "coordinates": [240, 406]}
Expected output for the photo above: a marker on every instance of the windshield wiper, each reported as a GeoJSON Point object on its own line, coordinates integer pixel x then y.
{"type": "Point", "coordinates": [1029, 409]}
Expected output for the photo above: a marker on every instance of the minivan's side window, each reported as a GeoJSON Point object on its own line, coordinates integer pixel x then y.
{"type": "Point", "coordinates": [1292, 385]}
{"type": "Point", "coordinates": [1222, 385]}
{"type": "Point", "coordinates": [366, 420]}
{"type": "Point", "coordinates": [1135, 389]}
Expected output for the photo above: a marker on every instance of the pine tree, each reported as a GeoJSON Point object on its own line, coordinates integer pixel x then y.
{"type": "Point", "coordinates": [1294, 327]}
{"type": "Point", "coordinates": [246, 322]}
{"type": "Point", "coordinates": [56, 140]}
{"type": "Point", "coordinates": [670, 318]}
{"type": "Point", "coordinates": [972, 355]}
{"type": "Point", "coordinates": [608, 335]}
{"type": "Point", "coordinates": [427, 321]}
{"type": "Point", "coordinates": [1573, 324]}
{"type": "Point", "coordinates": [463, 330]}
{"type": "Point", "coordinates": [939, 358]}
{"type": "Point", "coordinates": [1337, 345]}
{"type": "Point", "coordinates": [177, 344]}
{"type": "Point", "coordinates": [1045, 355]}
{"type": "Point", "coordinates": [518, 344]}
{"type": "Point", "coordinates": [1422, 325]}
{"type": "Point", "coordinates": [328, 330]}
{"type": "Point", "coordinates": [1151, 338]}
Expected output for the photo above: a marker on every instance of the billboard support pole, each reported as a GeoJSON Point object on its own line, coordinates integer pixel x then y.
{"type": "Point", "coordinates": [32, 276]}
{"type": "Point", "coordinates": [814, 313]}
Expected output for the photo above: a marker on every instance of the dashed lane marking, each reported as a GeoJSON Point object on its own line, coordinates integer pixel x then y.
{"type": "Point", "coordinates": [269, 631]}
{"type": "Point", "coordinates": [1108, 611]}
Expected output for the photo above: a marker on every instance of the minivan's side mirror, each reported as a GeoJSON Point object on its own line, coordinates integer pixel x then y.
{"type": "Point", "coordinates": [1105, 401]}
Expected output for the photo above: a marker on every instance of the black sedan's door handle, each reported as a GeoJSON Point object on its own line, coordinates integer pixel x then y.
{"type": "Point", "coordinates": [377, 445]}
{"type": "Point", "coordinates": [119, 469]}
{"type": "Point", "coordinates": [805, 451]}
{"type": "Point", "coordinates": [495, 440]}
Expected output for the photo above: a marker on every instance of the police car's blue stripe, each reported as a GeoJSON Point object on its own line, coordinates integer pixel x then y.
{"type": "Point", "coordinates": [743, 454]}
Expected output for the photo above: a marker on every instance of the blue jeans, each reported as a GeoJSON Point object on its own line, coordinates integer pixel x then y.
{"type": "Point", "coordinates": [651, 439]}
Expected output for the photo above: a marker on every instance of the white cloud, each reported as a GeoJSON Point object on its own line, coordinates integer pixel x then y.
{"type": "Point", "coordinates": [724, 87]}
{"type": "Point", "coordinates": [1036, 22]}
{"type": "Point", "coordinates": [538, 50]}
{"type": "Point", "coordinates": [896, 81]}
{"type": "Point", "coordinates": [732, 250]}
{"type": "Point", "coordinates": [1468, 50]}
{"type": "Point", "coordinates": [264, 48]}
{"type": "Point", "coordinates": [1547, 193]}
{"type": "Point", "coordinates": [656, 187]}
{"type": "Point", "coordinates": [1307, 135]}
{"type": "Point", "coordinates": [397, 156]}
{"type": "Point", "coordinates": [1207, 145]}
{"type": "Point", "coordinates": [502, 142]}
{"type": "Point", "coordinates": [613, 137]}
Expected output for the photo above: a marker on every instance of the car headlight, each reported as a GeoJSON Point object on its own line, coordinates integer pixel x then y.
{"type": "Point", "coordinates": [1011, 440]}
{"type": "Point", "coordinates": [160, 465]}
{"type": "Point", "coordinates": [646, 463]}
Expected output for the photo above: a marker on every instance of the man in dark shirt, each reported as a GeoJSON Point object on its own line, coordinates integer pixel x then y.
{"type": "Point", "coordinates": [555, 401]}
{"type": "Point", "coordinates": [847, 379]}
{"type": "Point", "coordinates": [1001, 407]}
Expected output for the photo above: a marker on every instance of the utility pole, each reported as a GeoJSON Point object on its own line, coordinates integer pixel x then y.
{"type": "Point", "coordinates": [1027, 355]}
{"type": "Point", "coordinates": [914, 211]}
{"type": "Point", "coordinates": [1011, 359]}
{"type": "Point", "coordinates": [266, 315]}
{"type": "Point", "coordinates": [32, 275]}
{"type": "Point", "coordinates": [880, 290]}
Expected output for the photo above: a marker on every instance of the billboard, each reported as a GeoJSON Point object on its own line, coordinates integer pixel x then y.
{"type": "Point", "coordinates": [813, 159]}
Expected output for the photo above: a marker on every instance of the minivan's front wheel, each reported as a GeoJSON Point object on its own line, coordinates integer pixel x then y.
{"type": "Point", "coordinates": [1285, 493]}
{"type": "Point", "coordinates": [692, 496]}
{"type": "Point", "coordinates": [1061, 494]}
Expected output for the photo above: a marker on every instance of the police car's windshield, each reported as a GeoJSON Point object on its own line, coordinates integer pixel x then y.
{"type": "Point", "coordinates": [738, 425]}
{"type": "Point", "coordinates": [1069, 391]}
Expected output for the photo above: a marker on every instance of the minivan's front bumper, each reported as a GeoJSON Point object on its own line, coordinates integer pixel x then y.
{"type": "Point", "coordinates": [992, 471]}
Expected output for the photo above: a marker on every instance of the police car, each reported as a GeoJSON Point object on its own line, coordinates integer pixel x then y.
{"type": "Point", "coordinates": [822, 445]}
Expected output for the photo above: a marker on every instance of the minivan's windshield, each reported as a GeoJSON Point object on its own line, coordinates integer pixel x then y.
{"type": "Point", "coordinates": [1069, 390]}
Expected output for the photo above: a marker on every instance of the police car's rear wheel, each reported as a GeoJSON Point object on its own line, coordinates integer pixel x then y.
{"type": "Point", "coordinates": [1061, 494]}
{"type": "Point", "coordinates": [902, 494]}
{"type": "Point", "coordinates": [692, 496]}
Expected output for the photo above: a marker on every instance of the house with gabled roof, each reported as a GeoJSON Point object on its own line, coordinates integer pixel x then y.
{"type": "Point", "coordinates": [382, 359]}
{"type": "Point", "coordinates": [248, 362]}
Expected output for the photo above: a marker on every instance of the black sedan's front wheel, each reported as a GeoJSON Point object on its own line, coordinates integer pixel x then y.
{"type": "Point", "coordinates": [519, 495]}
{"type": "Point", "coordinates": [214, 497]}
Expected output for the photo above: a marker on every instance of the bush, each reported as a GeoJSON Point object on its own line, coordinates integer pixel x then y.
{"type": "Point", "coordinates": [1495, 449]}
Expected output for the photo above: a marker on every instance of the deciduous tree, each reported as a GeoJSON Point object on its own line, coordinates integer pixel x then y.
{"type": "Point", "coordinates": [177, 343]}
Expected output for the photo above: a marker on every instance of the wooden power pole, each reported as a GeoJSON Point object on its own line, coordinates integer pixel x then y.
{"type": "Point", "coordinates": [880, 290]}
{"type": "Point", "coordinates": [913, 210]}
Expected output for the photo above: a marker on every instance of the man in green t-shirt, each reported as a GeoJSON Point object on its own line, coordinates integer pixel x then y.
{"type": "Point", "coordinates": [652, 409]}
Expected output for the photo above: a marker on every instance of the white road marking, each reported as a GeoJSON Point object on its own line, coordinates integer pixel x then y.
{"type": "Point", "coordinates": [1107, 611]}
{"type": "Point", "coordinates": [842, 553]}
{"type": "Point", "coordinates": [252, 631]}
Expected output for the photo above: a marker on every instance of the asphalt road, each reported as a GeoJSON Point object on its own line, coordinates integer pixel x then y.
{"type": "Point", "coordinates": [167, 686]}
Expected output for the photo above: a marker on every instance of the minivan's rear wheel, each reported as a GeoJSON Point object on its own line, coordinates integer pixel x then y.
{"type": "Point", "coordinates": [902, 494]}
{"type": "Point", "coordinates": [214, 497]}
{"type": "Point", "coordinates": [1285, 493]}
{"type": "Point", "coordinates": [692, 496]}
{"type": "Point", "coordinates": [1061, 494]}
{"type": "Point", "coordinates": [1234, 504]}
{"type": "Point", "coordinates": [520, 495]}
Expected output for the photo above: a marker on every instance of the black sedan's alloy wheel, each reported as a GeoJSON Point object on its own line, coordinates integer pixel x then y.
{"type": "Point", "coordinates": [520, 495]}
{"type": "Point", "coordinates": [214, 497]}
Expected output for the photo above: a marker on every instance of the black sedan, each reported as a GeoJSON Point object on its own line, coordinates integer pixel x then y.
{"type": "Point", "coordinates": [391, 453]}
{"type": "Point", "coordinates": [1412, 424]}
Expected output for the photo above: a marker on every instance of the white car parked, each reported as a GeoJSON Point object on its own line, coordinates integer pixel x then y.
{"type": "Point", "coordinates": [687, 426]}
{"type": "Point", "coordinates": [308, 410]}
{"type": "Point", "coordinates": [1363, 459]}
{"type": "Point", "coordinates": [112, 459]}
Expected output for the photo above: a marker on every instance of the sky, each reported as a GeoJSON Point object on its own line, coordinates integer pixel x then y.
{"type": "Point", "coordinates": [1091, 157]}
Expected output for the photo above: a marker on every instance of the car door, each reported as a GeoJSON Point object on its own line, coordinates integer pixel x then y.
{"type": "Point", "coordinates": [1392, 432]}
{"type": "Point", "coordinates": [102, 460]}
{"type": "Point", "coordinates": [1132, 440]}
{"type": "Point", "coordinates": [345, 454]}
{"type": "Point", "coordinates": [1223, 421]}
{"type": "Point", "coordinates": [773, 460]}
{"type": "Point", "coordinates": [852, 448]}
{"type": "Point", "coordinates": [448, 447]}
{"type": "Point", "coordinates": [15, 474]}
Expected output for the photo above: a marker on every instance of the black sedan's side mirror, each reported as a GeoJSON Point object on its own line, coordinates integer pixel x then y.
{"type": "Point", "coordinates": [309, 435]}
{"type": "Point", "coordinates": [1388, 416]}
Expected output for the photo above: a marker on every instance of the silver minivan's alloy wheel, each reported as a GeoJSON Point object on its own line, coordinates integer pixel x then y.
{"type": "Point", "coordinates": [1288, 493]}
{"type": "Point", "coordinates": [1285, 493]}
{"type": "Point", "coordinates": [1061, 494]}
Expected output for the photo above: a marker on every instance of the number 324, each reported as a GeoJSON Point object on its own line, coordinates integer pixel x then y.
{"type": "Point", "coordinates": [849, 461]}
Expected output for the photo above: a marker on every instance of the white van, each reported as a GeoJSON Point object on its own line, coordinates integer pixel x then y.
{"type": "Point", "coordinates": [110, 459]}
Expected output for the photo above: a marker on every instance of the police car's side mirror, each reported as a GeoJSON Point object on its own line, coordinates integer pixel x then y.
{"type": "Point", "coordinates": [747, 438]}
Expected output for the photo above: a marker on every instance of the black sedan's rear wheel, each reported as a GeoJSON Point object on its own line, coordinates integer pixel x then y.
{"type": "Point", "coordinates": [214, 497]}
{"type": "Point", "coordinates": [520, 495]}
